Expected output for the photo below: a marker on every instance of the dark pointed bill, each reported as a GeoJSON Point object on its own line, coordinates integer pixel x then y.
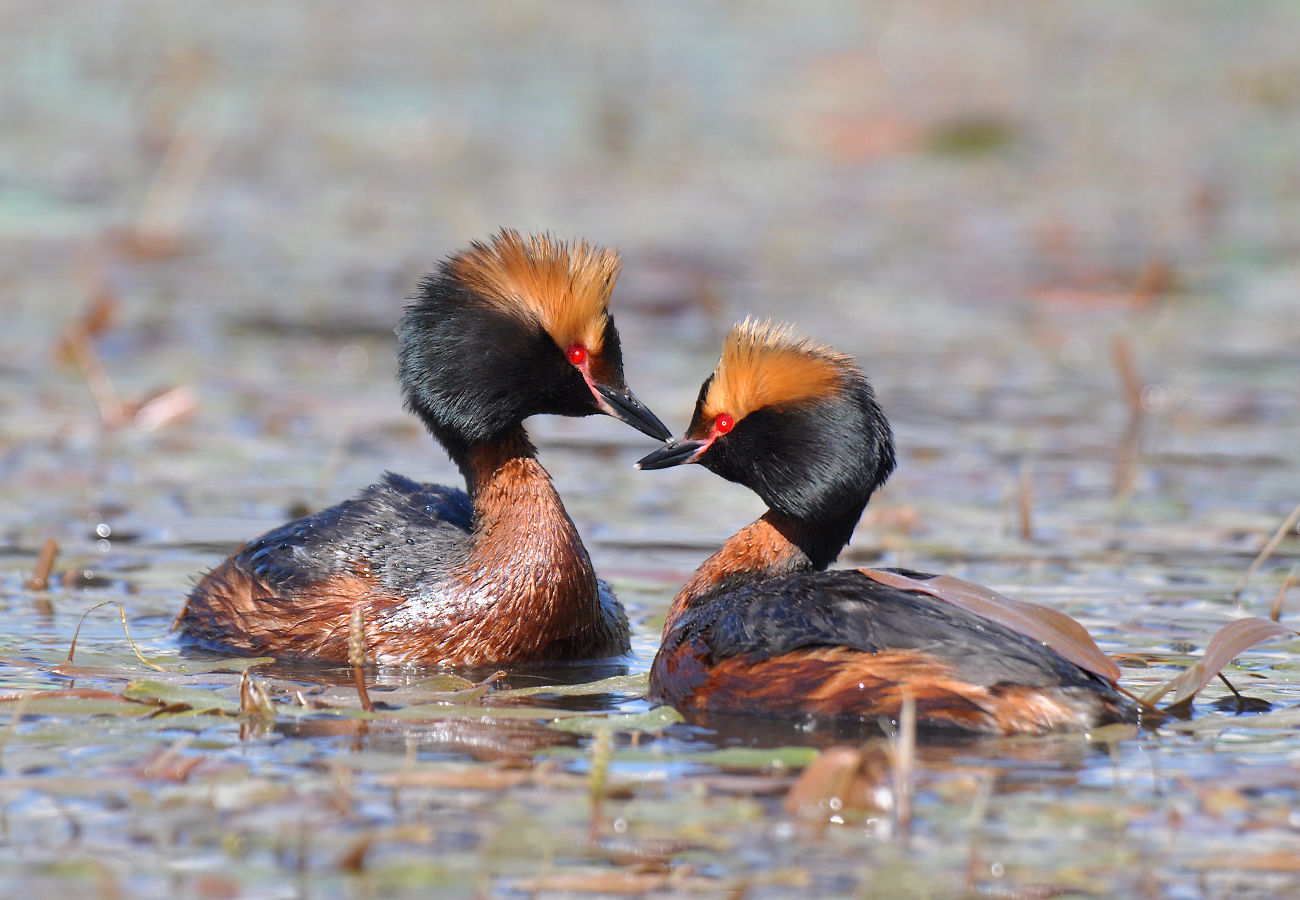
{"type": "Point", "coordinates": [622, 405]}
{"type": "Point", "coordinates": [673, 453]}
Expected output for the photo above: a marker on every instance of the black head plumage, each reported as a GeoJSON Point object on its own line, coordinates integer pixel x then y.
{"type": "Point", "coordinates": [796, 422]}
{"type": "Point", "coordinates": [512, 328]}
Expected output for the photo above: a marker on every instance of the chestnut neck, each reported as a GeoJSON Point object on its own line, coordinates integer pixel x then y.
{"type": "Point", "coordinates": [488, 466]}
{"type": "Point", "coordinates": [776, 544]}
{"type": "Point", "coordinates": [526, 558]}
{"type": "Point", "coordinates": [762, 548]}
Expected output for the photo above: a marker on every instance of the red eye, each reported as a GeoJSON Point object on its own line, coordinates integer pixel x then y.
{"type": "Point", "coordinates": [577, 354]}
{"type": "Point", "coordinates": [723, 423]}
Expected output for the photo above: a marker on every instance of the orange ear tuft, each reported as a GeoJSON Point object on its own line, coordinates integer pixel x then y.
{"type": "Point", "coordinates": [766, 365]}
{"type": "Point", "coordinates": [565, 288]}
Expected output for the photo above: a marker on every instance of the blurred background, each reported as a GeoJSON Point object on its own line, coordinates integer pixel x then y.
{"type": "Point", "coordinates": [1061, 239]}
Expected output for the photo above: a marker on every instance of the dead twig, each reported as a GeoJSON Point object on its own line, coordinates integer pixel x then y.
{"type": "Point", "coordinates": [166, 407]}
{"type": "Point", "coordinates": [602, 751]}
{"type": "Point", "coordinates": [1026, 501]}
{"type": "Point", "coordinates": [1130, 444]}
{"type": "Point", "coordinates": [1292, 579]}
{"type": "Point", "coordinates": [1154, 281]}
{"type": "Point", "coordinates": [1267, 551]}
{"type": "Point", "coordinates": [162, 217]}
{"type": "Point", "coordinates": [354, 858]}
{"type": "Point", "coordinates": [77, 343]}
{"type": "Point", "coordinates": [357, 656]}
{"type": "Point", "coordinates": [40, 579]}
{"type": "Point", "coordinates": [904, 759]}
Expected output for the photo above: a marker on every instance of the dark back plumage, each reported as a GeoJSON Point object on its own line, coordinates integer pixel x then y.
{"type": "Point", "coordinates": [769, 617]}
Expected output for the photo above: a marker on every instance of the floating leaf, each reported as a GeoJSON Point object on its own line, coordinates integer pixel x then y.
{"type": "Point", "coordinates": [733, 758]}
{"type": "Point", "coordinates": [197, 699]}
{"type": "Point", "coordinates": [592, 882]}
{"type": "Point", "coordinates": [750, 758]}
{"type": "Point", "coordinates": [620, 684]}
{"type": "Point", "coordinates": [651, 720]}
{"type": "Point", "coordinates": [234, 664]}
{"type": "Point", "coordinates": [435, 712]}
{"type": "Point", "coordinates": [75, 706]}
{"type": "Point", "coordinates": [474, 779]}
{"type": "Point", "coordinates": [443, 682]}
{"type": "Point", "coordinates": [1228, 643]}
{"type": "Point", "coordinates": [1282, 719]}
{"type": "Point", "coordinates": [346, 697]}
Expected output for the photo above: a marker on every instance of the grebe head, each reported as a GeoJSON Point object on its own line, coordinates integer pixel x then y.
{"type": "Point", "coordinates": [791, 419]}
{"type": "Point", "coordinates": [511, 328]}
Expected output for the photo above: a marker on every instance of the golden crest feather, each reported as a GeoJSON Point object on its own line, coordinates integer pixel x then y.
{"type": "Point", "coordinates": [565, 287]}
{"type": "Point", "coordinates": [767, 365]}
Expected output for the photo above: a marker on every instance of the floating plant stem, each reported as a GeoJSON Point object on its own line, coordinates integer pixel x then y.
{"type": "Point", "coordinates": [121, 611]}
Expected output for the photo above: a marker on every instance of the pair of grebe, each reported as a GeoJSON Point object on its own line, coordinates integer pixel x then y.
{"type": "Point", "coordinates": [498, 574]}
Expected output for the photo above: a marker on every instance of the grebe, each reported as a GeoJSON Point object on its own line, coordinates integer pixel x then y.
{"type": "Point", "coordinates": [761, 628]}
{"type": "Point", "coordinates": [494, 574]}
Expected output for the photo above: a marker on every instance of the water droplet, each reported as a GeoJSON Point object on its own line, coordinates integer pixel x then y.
{"type": "Point", "coordinates": [1075, 354]}
{"type": "Point", "coordinates": [353, 359]}
{"type": "Point", "coordinates": [851, 295]}
{"type": "Point", "coordinates": [1155, 397]}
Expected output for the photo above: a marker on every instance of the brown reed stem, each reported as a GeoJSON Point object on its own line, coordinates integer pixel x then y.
{"type": "Point", "coordinates": [1292, 579]}
{"type": "Point", "coordinates": [357, 656]}
{"type": "Point", "coordinates": [1267, 551]}
{"type": "Point", "coordinates": [1026, 501]}
{"type": "Point", "coordinates": [904, 764]}
{"type": "Point", "coordinates": [40, 579]}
